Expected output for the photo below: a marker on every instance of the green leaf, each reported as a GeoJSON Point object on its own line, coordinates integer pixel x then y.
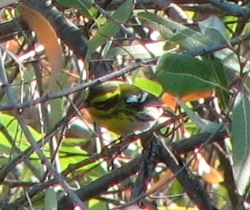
{"type": "Point", "coordinates": [220, 76]}
{"type": "Point", "coordinates": [82, 6]}
{"type": "Point", "coordinates": [204, 124]}
{"type": "Point", "coordinates": [97, 204]}
{"type": "Point", "coordinates": [50, 200]}
{"type": "Point", "coordinates": [149, 86]}
{"type": "Point", "coordinates": [181, 74]}
{"type": "Point", "coordinates": [247, 28]}
{"type": "Point", "coordinates": [57, 111]}
{"type": "Point", "coordinates": [70, 153]}
{"type": "Point", "coordinates": [189, 39]}
{"type": "Point", "coordinates": [14, 134]}
{"type": "Point", "coordinates": [241, 141]}
{"type": "Point", "coordinates": [109, 29]}
{"type": "Point", "coordinates": [139, 50]}
{"type": "Point", "coordinates": [214, 28]}
{"type": "Point", "coordinates": [176, 32]}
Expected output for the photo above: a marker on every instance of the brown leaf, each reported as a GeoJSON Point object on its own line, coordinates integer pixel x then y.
{"type": "Point", "coordinates": [47, 37]}
{"type": "Point", "coordinates": [206, 171]}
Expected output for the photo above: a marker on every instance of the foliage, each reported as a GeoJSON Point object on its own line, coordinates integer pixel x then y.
{"type": "Point", "coordinates": [193, 56]}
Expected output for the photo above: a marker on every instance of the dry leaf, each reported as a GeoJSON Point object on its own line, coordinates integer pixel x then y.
{"type": "Point", "coordinates": [206, 171]}
{"type": "Point", "coordinates": [170, 101]}
{"type": "Point", "coordinates": [47, 37]}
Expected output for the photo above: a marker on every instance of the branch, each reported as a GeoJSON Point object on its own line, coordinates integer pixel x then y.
{"type": "Point", "coordinates": [130, 68]}
{"type": "Point", "coordinates": [233, 9]}
{"type": "Point", "coordinates": [36, 147]}
{"type": "Point", "coordinates": [118, 175]}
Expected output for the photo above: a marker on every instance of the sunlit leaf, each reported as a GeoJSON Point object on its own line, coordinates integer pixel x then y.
{"type": "Point", "coordinates": [97, 204]}
{"type": "Point", "coordinates": [182, 74]}
{"type": "Point", "coordinates": [205, 170]}
{"type": "Point", "coordinates": [148, 85]}
{"type": "Point", "coordinates": [12, 126]}
{"type": "Point", "coordinates": [139, 51]}
{"type": "Point", "coordinates": [214, 176]}
{"type": "Point", "coordinates": [176, 32]}
{"type": "Point", "coordinates": [170, 101]}
{"type": "Point", "coordinates": [109, 29]}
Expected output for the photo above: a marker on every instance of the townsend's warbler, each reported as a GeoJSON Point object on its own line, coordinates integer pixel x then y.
{"type": "Point", "coordinates": [122, 108]}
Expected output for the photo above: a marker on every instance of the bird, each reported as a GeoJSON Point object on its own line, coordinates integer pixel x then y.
{"type": "Point", "coordinates": [122, 108]}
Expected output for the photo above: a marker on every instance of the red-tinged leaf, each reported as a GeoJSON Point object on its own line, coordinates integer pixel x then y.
{"type": "Point", "coordinates": [181, 74]}
{"type": "Point", "coordinates": [170, 101]}
{"type": "Point", "coordinates": [205, 170]}
{"type": "Point", "coordinates": [214, 176]}
{"type": "Point", "coordinates": [12, 45]}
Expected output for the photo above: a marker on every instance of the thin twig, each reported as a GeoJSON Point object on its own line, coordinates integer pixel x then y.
{"type": "Point", "coordinates": [60, 180]}
{"type": "Point", "coordinates": [130, 68]}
